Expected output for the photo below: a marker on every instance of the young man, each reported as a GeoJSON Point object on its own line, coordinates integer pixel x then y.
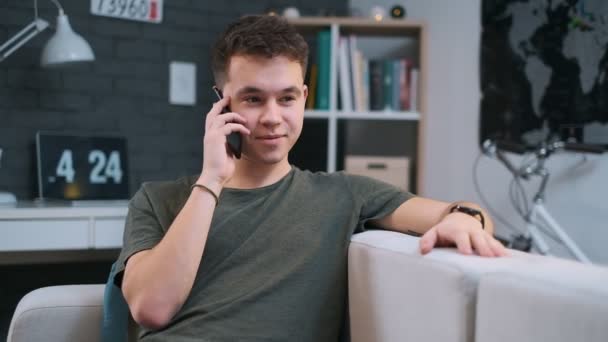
{"type": "Point", "coordinates": [254, 249]}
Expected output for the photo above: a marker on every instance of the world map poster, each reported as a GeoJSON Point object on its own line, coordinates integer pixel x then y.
{"type": "Point", "coordinates": [544, 70]}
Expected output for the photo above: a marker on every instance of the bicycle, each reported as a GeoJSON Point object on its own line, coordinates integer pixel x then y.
{"type": "Point", "coordinates": [536, 215]}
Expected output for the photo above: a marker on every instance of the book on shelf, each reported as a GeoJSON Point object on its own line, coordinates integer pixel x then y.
{"type": "Point", "coordinates": [414, 79]}
{"type": "Point", "coordinates": [359, 88]}
{"type": "Point", "coordinates": [388, 84]}
{"type": "Point", "coordinates": [312, 87]}
{"type": "Point", "coordinates": [403, 90]}
{"type": "Point", "coordinates": [365, 82]}
{"type": "Point", "coordinates": [376, 84]}
{"type": "Point", "coordinates": [323, 74]}
{"type": "Point", "coordinates": [391, 85]}
{"type": "Point", "coordinates": [388, 79]}
{"type": "Point", "coordinates": [354, 55]}
{"type": "Point", "coordinates": [344, 73]}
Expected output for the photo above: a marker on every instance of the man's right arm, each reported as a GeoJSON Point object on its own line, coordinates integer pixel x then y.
{"type": "Point", "coordinates": [157, 281]}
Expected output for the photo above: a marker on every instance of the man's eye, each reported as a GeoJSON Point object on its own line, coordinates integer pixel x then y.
{"type": "Point", "coordinates": [252, 99]}
{"type": "Point", "coordinates": [288, 99]}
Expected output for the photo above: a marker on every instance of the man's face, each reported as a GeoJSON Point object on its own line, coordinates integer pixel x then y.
{"type": "Point", "coordinates": [270, 94]}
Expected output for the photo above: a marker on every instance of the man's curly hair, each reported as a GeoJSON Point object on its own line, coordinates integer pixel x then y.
{"type": "Point", "coordinates": [259, 36]}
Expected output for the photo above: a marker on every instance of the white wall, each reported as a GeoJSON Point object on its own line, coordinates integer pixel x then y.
{"type": "Point", "coordinates": [576, 194]}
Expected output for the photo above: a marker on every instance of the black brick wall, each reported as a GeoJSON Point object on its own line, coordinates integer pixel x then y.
{"type": "Point", "coordinates": [125, 91]}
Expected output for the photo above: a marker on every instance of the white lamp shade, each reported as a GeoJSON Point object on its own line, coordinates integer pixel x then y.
{"type": "Point", "coordinates": [65, 46]}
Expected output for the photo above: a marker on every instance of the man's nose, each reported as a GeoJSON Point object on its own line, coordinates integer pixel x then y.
{"type": "Point", "coordinates": [272, 114]}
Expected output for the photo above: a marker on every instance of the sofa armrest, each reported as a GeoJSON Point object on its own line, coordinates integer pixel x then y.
{"type": "Point", "coordinates": [59, 313]}
{"type": "Point", "coordinates": [397, 294]}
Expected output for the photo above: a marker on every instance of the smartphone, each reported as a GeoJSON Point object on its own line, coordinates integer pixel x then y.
{"type": "Point", "coordinates": [234, 138]}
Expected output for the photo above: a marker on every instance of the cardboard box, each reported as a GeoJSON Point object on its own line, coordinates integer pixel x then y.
{"type": "Point", "coordinates": [392, 170]}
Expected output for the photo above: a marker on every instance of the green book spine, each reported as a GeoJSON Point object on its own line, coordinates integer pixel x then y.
{"type": "Point", "coordinates": [324, 52]}
{"type": "Point", "coordinates": [388, 84]}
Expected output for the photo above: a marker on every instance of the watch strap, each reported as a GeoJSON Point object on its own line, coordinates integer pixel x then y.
{"type": "Point", "coordinates": [476, 213]}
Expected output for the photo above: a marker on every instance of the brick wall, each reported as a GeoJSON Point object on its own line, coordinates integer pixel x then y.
{"type": "Point", "coordinates": [124, 92]}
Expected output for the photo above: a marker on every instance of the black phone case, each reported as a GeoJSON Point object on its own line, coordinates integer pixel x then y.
{"type": "Point", "coordinates": [234, 139]}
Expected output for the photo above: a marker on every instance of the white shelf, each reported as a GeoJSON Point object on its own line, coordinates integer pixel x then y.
{"type": "Point", "coordinates": [33, 210]}
{"type": "Point", "coordinates": [317, 114]}
{"type": "Point", "coordinates": [370, 115]}
{"type": "Point", "coordinates": [33, 226]}
{"type": "Point", "coordinates": [380, 115]}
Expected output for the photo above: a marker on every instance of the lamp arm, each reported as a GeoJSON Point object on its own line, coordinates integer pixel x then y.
{"type": "Point", "coordinates": [22, 37]}
{"type": "Point", "coordinates": [27, 33]}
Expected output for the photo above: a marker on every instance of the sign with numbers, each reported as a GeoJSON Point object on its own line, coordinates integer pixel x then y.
{"type": "Point", "coordinates": [75, 167]}
{"type": "Point", "coordinates": [150, 11]}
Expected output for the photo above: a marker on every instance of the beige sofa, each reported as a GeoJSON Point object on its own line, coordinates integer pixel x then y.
{"type": "Point", "coordinates": [398, 295]}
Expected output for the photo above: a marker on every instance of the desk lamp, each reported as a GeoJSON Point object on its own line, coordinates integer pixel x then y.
{"type": "Point", "coordinates": [65, 46]}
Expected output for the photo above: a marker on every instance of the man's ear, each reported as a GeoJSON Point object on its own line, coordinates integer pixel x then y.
{"type": "Point", "coordinates": [305, 92]}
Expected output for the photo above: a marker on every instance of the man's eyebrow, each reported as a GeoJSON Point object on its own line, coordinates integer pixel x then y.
{"type": "Point", "coordinates": [292, 89]}
{"type": "Point", "coordinates": [253, 90]}
{"type": "Point", "coordinates": [248, 90]}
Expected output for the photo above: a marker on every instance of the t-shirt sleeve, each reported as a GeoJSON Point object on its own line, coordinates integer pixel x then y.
{"type": "Point", "coordinates": [376, 199]}
{"type": "Point", "coordinates": [142, 231]}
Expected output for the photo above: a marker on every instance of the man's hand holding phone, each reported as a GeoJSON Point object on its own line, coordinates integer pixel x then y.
{"type": "Point", "coordinates": [234, 138]}
{"type": "Point", "coordinates": [219, 163]}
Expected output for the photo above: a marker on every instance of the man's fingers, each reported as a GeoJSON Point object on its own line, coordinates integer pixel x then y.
{"type": "Point", "coordinates": [216, 110]}
{"type": "Point", "coordinates": [428, 241]}
{"type": "Point", "coordinates": [463, 242]}
{"type": "Point", "coordinates": [481, 244]}
{"type": "Point", "coordinates": [497, 247]}
{"type": "Point", "coordinates": [235, 127]}
{"type": "Point", "coordinates": [223, 119]}
{"type": "Point", "coordinates": [219, 105]}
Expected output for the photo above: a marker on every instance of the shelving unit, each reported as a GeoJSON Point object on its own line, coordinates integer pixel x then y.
{"type": "Point", "coordinates": [402, 38]}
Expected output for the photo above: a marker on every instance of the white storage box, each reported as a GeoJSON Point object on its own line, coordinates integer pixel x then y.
{"type": "Point", "coordinates": [392, 170]}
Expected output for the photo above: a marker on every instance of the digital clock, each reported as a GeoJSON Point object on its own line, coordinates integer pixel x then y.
{"type": "Point", "coordinates": [77, 167]}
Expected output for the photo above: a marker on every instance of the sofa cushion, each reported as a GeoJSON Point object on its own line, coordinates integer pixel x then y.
{"type": "Point", "coordinates": [548, 299]}
{"type": "Point", "coordinates": [69, 313]}
{"type": "Point", "coordinates": [397, 294]}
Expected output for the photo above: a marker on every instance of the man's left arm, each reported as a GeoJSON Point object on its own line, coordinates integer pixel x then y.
{"type": "Point", "coordinates": [441, 228]}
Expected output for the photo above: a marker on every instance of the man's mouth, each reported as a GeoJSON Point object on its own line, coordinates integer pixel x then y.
{"type": "Point", "coordinates": [271, 136]}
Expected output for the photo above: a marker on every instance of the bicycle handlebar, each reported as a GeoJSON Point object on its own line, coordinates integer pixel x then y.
{"type": "Point", "coordinates": [518, 148]}
{"type": "Point", "coordinates": [497, 148]}
{"type": "Point", "coordinates": [584, 148]}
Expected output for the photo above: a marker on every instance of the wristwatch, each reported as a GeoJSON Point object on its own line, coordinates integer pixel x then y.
{"type": "Point", "coordinates": [471, 212]}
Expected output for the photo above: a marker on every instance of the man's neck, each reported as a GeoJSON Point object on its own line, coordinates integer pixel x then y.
{"type": "Point", "coordinates": [250, 175]}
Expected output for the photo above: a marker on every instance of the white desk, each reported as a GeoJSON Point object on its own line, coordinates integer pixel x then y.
{"type": "Point", "coordinates": [29, 226]}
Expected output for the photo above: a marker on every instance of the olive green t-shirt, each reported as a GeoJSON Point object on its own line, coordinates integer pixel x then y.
{"type": "Point", "coordinates": [274, 266]}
